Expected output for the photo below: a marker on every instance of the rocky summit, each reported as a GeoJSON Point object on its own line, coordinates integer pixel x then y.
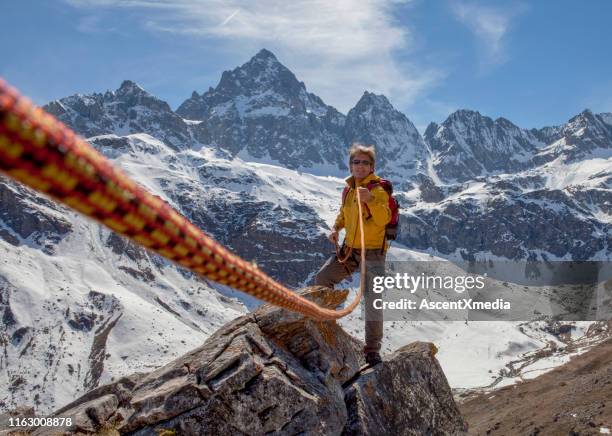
{"type": "Point", "coordinates": [276, 372]}
{"type": "Point", "coordinates": [129, 109]}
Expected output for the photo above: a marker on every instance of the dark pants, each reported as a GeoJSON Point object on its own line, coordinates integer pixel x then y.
{"type": "Point", "coordinates": [334, 272]}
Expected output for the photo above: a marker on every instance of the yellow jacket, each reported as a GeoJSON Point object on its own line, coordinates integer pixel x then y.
{"type": "Point", "coordinates": [373, 223]}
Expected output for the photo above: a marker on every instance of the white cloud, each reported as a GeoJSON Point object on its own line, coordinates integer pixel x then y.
{"type": "Point", "coordinates": [490, 26]}
{"type": "Point", "coordinates": [88, 24]}
{"type": "Point", "coordinates": [338, 48]}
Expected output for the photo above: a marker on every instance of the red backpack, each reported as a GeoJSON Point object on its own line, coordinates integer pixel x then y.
{"type": "Point", "coordinates": [391, 228]}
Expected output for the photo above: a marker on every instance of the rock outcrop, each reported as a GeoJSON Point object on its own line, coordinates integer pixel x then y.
{"type": "Point", "coordinates": [276, 372]}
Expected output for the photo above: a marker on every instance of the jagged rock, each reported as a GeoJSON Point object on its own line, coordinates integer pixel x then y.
{"type": "Point", "coordinates": [582, 135]}
{"type": "Point", "coordinates": [129, 109]}
{"type": "Point", "coordinates": [400, 150]}
{"type": "Point", "coordinates": [468, 144]}
{"type": "Point", "coordinates": [430, 192]}
{"type": "Point", "coordinates": [528, 222]}
{"type": "Point", "coordinates": [276, 372]}
{"type": "Point", "coordinates": [408, 394]}
{"type": "Point", "coordinates": [28, 214]}
{"type": "Point", "coordinates": [263, 110]}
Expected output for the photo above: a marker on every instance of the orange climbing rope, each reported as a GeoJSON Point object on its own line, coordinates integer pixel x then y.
{"type": "Point", "coordinates": [38, 150]}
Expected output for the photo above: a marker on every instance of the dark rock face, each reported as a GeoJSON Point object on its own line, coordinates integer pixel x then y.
{"type": "Point", "coordinates": [262, 109]}
{"type": "Point", "coordinates": [577, 139]}
{"type": "Point", "coordinates": [400, 150]}
{"type": "Point", "coordinates": [377, 404]}
{"type": "Point", "coordinates": [467, 145]}
{"type": "Point", "coordinates": [129, 109]}
{"type": "Point", "coordinates": [273, 235]}
{"type": "Point", "coordinates": [26, 214]}
{"type": "Point", "coordinates": [510, 225]}
{"type": "Point", "coordinates": [275, 372]}
{"type": "Point", "coordinates": [430, 192]}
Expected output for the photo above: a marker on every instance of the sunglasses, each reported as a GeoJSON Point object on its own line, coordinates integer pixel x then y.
{"type": "Point", "coordinates": [362, 162]}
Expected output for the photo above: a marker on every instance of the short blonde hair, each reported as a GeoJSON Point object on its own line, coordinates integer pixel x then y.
{"type": "Point", "coordinates": [358, 148]}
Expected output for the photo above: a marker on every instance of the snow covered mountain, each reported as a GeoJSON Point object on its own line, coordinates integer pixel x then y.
{"type": "Point", "coordinates": [467, 145]}
{"type": "Point", "coordinates": [261, 111]}
{"type": "Point", "coordinates": [587, 135]}
{"type": "Point", "coordinates": [129, 109]}
{"type": "Point", "coordinates": [257, 163]}
{"type": "Point", "coordinates": [556, 211]}
{"type": "Point", "coordinates": [80, 305]}
{"type": "Point", "coordinates": [400, 150]}
{"type": "Point", "coordinates": [501, 190]}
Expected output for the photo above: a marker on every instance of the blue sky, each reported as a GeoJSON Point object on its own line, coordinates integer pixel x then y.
{"type": "Point", "coordinates": [535, 63]}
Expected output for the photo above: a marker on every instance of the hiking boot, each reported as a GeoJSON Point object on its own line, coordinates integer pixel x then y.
{"type": "Point", "coordinates": [373, 358]}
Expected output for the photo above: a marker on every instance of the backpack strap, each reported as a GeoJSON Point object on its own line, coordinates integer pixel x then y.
{"type": "Point", "coordinates": [345, 192]}
{"type": "Point", "coordinates": [372, 185]}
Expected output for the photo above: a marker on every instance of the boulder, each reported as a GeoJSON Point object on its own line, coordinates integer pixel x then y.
{"type": "Point", "coordinates": [276, 372]}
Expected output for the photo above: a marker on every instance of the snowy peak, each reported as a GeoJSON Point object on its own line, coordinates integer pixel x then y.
{"type": "Point", "coordinates": [370, 100]}
{"type": "Point", "coordinates": [399, 147]}
{"type": "Point", "coordinates": [505, 123]}
{"type": "Point", "coordinates": [583, 136]}
{"type": "Point", "coordinates": [127, 110]}
{"type": "Point", "coordinates": [261, 112]}
{"type": "Point", "coordinates": [129, 87]}
{"type": "Point", "coordinates": [131, 94]}
{"type": "Point", "coordinates": [588, 123]}
{"type": "Point", "coordinates": [471, 123]}
{"type": "Point", "coordinates": [262, 73]}
{"type": "Point", "coordinates": [262, 86]}
{"type": "Point", "coordinates": [467, 145]}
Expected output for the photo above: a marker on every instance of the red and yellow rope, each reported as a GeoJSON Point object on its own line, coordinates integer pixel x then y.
{"type": "Point", "coordinates": [38, 150]}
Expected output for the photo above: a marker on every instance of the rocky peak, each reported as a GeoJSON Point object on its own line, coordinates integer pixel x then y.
{"type": "Point", "coordinates": [370, 100]}
{"type": "Point", "coordinates": [129, 109]}
{"type": "Point", "coordinates": [586, 122]}
{"type": "Point", "coordinates": [262, 73]}
{"type": "Point", "coordinates": [399, 146]}
{"type": "Point", "coordinates": [467, 114]}
{"type": "Point", "coordinates": [468, 144]}
{"type": "Point", "coordinates": [469, 122]}
{"type": "Point", "coordinates": [505, 123]}
{"type": "Point", "coordinates": [130, 87]}
{"type": "Point", "coordinates": [579, 138]}
{"type": "Point", "coordinates": [262, 110]}
{"type": "Point", "coordinates": [548, 134]}
{"type": "Point", "coordinates": [431, 130]}
{"type": "Point", "coordinates": [276, 372]}
{"type": "Point", "coordinates": [261, 82]}
{"type": "Point", "coordinates": [131, 94]}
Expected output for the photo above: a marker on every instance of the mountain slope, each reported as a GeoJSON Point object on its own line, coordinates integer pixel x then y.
{"type": "Point", "coordinates": [576, 400]}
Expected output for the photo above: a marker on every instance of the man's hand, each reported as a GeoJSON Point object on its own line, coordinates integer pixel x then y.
{"type": "Point", "coordinates": [333, 237]}
{"type": "Point", "coordinates": [365, 195]}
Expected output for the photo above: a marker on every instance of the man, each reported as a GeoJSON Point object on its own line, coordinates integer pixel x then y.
{"type": "Point", "coordinates": [376, 215]}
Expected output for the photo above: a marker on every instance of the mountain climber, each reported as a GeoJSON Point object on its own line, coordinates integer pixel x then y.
{"type": "Point", "coordinates": [376, 215]}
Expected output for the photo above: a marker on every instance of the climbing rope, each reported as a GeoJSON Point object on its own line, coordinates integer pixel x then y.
{"type": "Point", "coordinates": [39, 151]}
